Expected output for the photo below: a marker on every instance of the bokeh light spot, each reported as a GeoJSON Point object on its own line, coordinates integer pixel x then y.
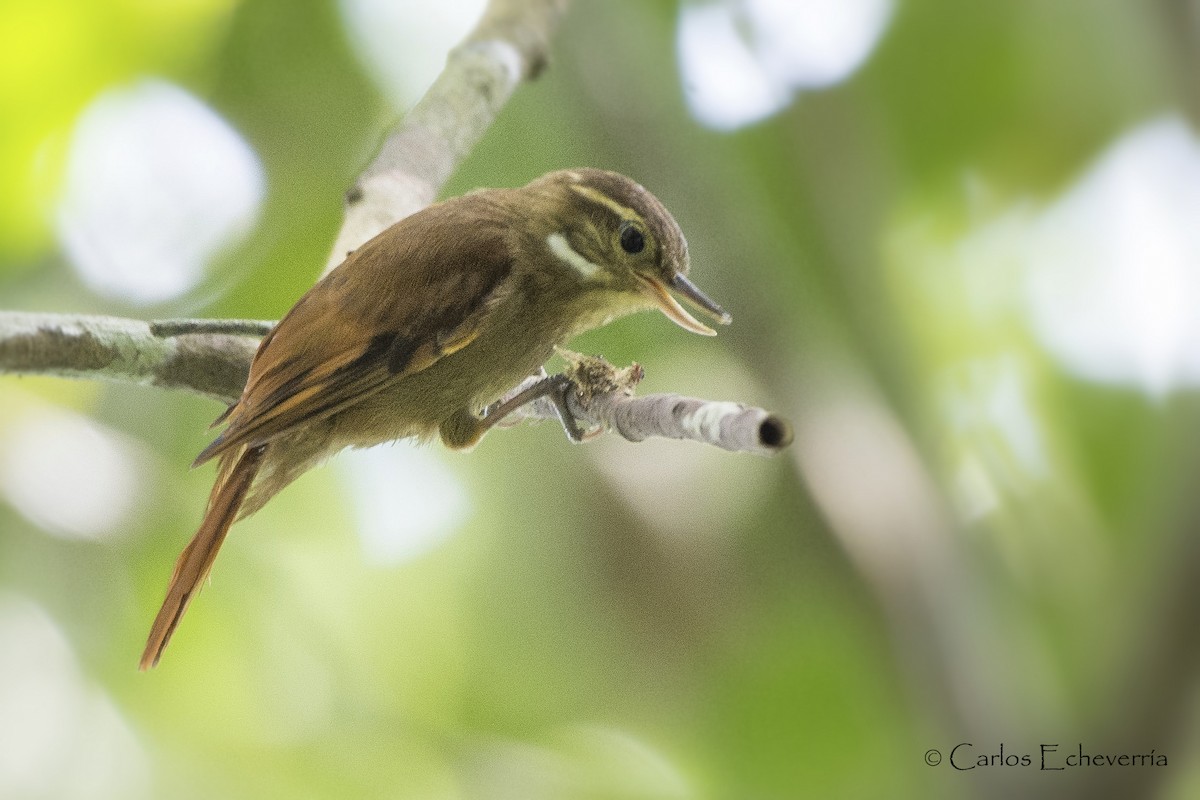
{"type": "Point", "coordinates": [1112, 282]}
{"type": "Point", "coordinates": [404, 43]}
{"type": "Point", "coordinates": [157, 185]}
{"type": "Point", "coordinates": [59, 735]}
{"type": "Point", "coordinates": [742, 61]}
{"type": "Point", "coordinates": [406, 500]}
{"type": "Point", "coordinates": [68, 475]}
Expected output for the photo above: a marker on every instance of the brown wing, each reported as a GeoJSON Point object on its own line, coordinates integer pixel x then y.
{"type": "Point", "coordinates": [418, 291]}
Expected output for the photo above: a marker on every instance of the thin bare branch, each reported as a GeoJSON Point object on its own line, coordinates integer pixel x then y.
{"type": "Point", "coordinates": [510, 44]}
{"type": "Point", "coordinates": [730, 426]}
{"type": "Point", "coordinates": [603, 398]}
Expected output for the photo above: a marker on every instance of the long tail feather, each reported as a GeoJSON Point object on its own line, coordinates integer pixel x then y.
{"type": "Point", "coordinates": [197, 558]}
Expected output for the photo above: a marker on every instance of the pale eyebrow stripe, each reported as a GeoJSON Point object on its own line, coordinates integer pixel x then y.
{"type": "Point", "coordinates": [562, 248]}
{"type": "Point", "coordinates": [606, 201]}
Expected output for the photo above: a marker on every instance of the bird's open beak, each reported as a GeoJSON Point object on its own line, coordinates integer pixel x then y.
{"type": "Point", "coordinates": [657, 291]}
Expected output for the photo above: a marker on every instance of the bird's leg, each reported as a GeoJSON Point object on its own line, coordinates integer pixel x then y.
{"type": "Point", "coordinates": [554, 388]}
{"type": "Point", "coordinates": [463, 429]}
{"type": "Point", "coordinates": [512, 419]}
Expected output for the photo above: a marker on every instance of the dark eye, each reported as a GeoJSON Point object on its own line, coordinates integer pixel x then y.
{"type": "Point", "coordinates": [632, 240]}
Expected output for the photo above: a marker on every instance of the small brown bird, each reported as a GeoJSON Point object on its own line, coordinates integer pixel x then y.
{"type": "Point", "coordinates": [424, 327]}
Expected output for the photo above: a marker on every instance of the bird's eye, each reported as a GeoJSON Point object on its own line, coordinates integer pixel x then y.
{"type": "Point", "coordinates": [632, 240]}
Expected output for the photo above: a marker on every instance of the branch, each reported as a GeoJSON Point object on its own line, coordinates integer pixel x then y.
{"type": "Point", "coordinates": [602, 397]}
{"type": "Point", "coordinates": [510, 44]}
{"type": "Point", "coordinates": [212, 358]}
{"type": "Point", "coordinates": [730, 426]}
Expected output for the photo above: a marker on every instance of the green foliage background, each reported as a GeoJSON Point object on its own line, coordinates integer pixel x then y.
{"type": "Point", "coordinates": [565, 642]}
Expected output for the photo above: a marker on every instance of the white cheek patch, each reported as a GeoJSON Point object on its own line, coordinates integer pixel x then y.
{"type": "Point", "coordinates": [562, 248]}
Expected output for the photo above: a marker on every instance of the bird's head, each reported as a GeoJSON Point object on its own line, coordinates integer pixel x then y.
{"type": "Point", "coordinates": [609, 234]}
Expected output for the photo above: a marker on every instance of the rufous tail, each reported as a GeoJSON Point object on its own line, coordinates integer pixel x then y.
{"type": "Point", "coordinates": [197, 558]}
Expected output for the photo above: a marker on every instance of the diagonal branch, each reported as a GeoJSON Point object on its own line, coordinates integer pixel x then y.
{"type": "Point", "coordinates": [510, 44]}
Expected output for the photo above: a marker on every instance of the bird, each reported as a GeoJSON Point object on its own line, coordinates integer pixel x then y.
{"type": "Point", "coordinates": [419, 333]}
